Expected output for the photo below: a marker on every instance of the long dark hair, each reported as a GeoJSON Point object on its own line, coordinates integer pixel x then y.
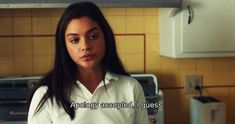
{"type": "Point", "coordinates": [63, 76]}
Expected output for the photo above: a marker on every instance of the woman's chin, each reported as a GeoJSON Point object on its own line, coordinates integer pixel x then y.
{"type": "Point", "coordinates": [88, 66]}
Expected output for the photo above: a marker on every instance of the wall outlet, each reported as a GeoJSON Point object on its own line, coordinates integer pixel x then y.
{"type": "Point", "coordinates": [190, 82]}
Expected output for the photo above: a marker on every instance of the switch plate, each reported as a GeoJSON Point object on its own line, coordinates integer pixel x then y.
{"type": "Point", "coordinates": [190, 82]}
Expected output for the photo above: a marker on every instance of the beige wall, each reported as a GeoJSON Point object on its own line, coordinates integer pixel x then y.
{"type": "Point", "coordinates": [27, 48]}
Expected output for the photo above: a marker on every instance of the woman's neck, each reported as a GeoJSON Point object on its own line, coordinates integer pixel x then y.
{"type": "Point", "coordinates": [91, 78]}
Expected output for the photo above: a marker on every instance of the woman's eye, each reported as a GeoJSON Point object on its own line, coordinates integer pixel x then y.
{"type": "Point", "coordinates": [92, 36]}
{"type": "Point", "coordinates": [75, 40]}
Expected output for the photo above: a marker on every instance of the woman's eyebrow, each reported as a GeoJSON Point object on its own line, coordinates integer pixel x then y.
{"type": "Point", "coordinates": [92, 29]}
{"type": "Point", "coordinates": [89, 31]}
{"type": "Point", "coordinates": [72, 34]}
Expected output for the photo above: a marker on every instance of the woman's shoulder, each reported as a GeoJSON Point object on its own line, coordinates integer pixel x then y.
{"type": "Point", "coordinates": [128, 80]}
{"type": "Point", "coordinates": [40, 91]}
{"type": "Point", "coordinates": [130, 85]}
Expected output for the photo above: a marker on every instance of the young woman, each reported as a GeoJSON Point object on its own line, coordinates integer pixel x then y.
{"type": "Point", "coordinates": [88, 84]}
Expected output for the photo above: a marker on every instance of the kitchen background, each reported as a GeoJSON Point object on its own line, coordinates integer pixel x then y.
{"type": "Point", "coordinates": [27, 48]}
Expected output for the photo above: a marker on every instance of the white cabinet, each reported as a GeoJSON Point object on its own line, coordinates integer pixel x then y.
{"type": "Point", "coordinates": [201, 28]}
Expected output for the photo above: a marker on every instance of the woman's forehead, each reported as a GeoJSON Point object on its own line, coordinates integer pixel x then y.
{"type": "Point", "coordinates": [81, 25]}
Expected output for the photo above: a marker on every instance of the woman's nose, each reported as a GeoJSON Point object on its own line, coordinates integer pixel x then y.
{"type": "Point", "coordinates": [84, 44]}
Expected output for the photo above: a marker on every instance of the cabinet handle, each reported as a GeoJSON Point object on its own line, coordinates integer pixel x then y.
{"type": "Point", "coordinates": [13, 113]}
{"type": "Point", "coordinates": [190, 14]}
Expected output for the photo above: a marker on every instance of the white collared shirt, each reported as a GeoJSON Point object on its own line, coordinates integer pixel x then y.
{"type": "Point", "coordinates": [113, 105]}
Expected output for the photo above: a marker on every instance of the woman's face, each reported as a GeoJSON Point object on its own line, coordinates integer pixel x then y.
{"type": "Point", "coordinates": [85, 43]}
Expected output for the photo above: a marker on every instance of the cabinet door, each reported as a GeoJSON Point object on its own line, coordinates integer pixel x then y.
{"type": "Point", "coordinates": [211, 33]}
{"type": "Point", "coordinates": [212, 29]}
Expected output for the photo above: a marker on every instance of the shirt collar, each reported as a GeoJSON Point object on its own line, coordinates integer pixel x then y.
{"type": "Point", "coordinates": [111, 77]}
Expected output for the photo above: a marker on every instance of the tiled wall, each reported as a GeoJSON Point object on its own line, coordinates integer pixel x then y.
{"type": "Point", "coordinates": [24, 52]}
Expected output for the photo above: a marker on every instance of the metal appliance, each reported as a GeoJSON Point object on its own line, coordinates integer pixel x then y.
{"type": "Point", "coordinates": [13, 99]}
{"type": "Point", "coordinates": [207, 110]}
{"type": "Point", "coordinates": [154, 97]}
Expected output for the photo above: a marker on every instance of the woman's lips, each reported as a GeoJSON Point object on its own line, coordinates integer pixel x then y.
{"type": "Point", "coordinates": [87, 57]}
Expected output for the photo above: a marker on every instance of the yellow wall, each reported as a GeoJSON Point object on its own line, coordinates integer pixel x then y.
{"type": "Point", "coordinates": [25, 53]}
